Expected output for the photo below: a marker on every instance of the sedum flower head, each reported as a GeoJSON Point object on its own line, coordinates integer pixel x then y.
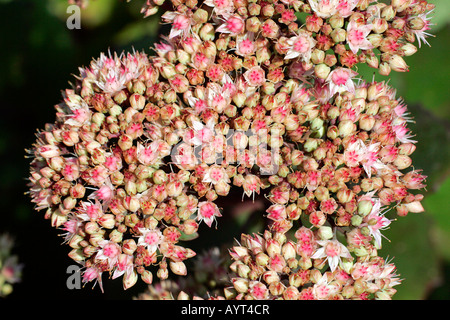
{"type": "Point", "coordinates": [240, 95]}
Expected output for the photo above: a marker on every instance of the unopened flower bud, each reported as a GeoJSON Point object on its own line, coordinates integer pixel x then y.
{"type": "Point", "coordinates": [409, 49]}
{"type": "Point", "coordinates": [366, 122]}
{"type": "Point", "coordinates": [268, 10]}
{"type": "Point", "coordinates": [325, 233]}
{"type": "Point", "coordinates": [207, 32]}
{"type": "Point", "coordinates": [288, 250]}
{"type": "Point", "coordinates": [345, 195]}
{"type": "Point", "coordinates": [77, 255]}
{"type": "Point", "coordinates": [384, 69]}
{"type": "Point", "coordinates": [69, 203]}
{"type": "Point", "coordinates": [179, 268]}
{"type": "Point", "coordinates": [398, 64]}
{"type": "Point", "coordinates": [400, 5]}
{"type": "Point", "coordinates": [273, 247]}
{"type": "Point", "coordinates": [375, 39]}
{"type": "Point", "coordinates": [364, 207]}
{"type": "Point", "coordinates": [271, 277]}
{"type": "Point", "coordinates": [317, 56]}
{"type": "Point", "coordinates": [336, 21]}
{"type": "Point", "coordinates": [330, 60]}
{"type": "Point", "coordinates": [147, 276]}
{"type": "Point", "coordinates": [200, 16]}
{"type": "Point", "coordinates": [240, 284]}
{"type": "Point", "coordinates": [253, 24]}
{"type": "Point", "coordinates": [416, 23]}
{"type": "Point", "coordinates": [107, 221]}
{"type": "Point", "coordinates": [305, 263]}
{"type": "Point", "coordinates": [322, 71]}
{"type": "Point", "coordinates": [311, 144]}
{"type": "Point", "coordinates": [338, 35]}
{"type": "Point", "coordinates": [129, 246]}
{"type": "Point", "coordinates": [406, 148]}
{"type": "Point", "coordinates": [356, 220]}
{"type": "Point", "coordinates": [159, 177]}
{"type": "Point", "coordinates": [379, 25]}
{"type": "Point", "coordinates": [388, 13]}
{"type": "Point", "coordinates": [91, 227]}
{"type": "Point", "coordinates": [262, 259]}
{"type": "Point", "coordinates": [346, 127]}
{"type": "Point", "coordinates": [129, 279]}
{"type": "Point", "coordinates": [402, 161]}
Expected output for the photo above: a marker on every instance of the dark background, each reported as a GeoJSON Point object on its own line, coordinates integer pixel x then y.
{"type": "Point", "coordinates": [39, 56]}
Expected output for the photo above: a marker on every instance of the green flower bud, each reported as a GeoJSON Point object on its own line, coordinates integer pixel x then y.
{"type": "Point", "coordinates": [325, 232]}
{"type": "Point", "coordinates": [364, 207]}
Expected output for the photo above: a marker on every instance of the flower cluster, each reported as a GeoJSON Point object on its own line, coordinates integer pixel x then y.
{"type": "Point", "coordinates": [10, 268]}
{"type": "Point", "coordinates": [240, 94]}
{"type": "Point", "coordinates": [272, 267]}
{"type": "Point", "coordinates": [208, 277]}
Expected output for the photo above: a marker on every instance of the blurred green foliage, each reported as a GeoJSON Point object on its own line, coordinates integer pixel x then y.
{"type": "Point", "coordinates": [39, 54]}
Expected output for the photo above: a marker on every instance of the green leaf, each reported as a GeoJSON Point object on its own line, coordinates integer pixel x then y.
{"type": "Point", "coordinates": [437, 205]}
{"type": "Point", "coordinates": [413, 254]}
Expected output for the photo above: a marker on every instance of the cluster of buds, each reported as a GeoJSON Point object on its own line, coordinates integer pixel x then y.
{"type": "Point", "coordinates": [273, 267]}
{"type": "Point", "coordinates": [239, 94]}
{"type": "Point", "coordinates": [208, 277]}
{"type": "Point", "coordinates": [10, 268]}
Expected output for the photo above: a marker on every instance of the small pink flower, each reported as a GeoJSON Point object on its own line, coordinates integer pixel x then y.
{"type": "Point", "coordinates": [345, 7]}
{"type": "Point", "coordinates": [353, 153]}
{"type": "Point", "coordinates": [181, 23]}
{"type": "Point", "coordinates": [245, 45]}
{"type": "Point", "coordinates": [300, 46]}
{"type": "Point", "coordinates": [124, 266]}
{"type": "Point", "coordinates": [234, 24]}
{"type": "Point", "coordinates": [376, 221]}
{"type": "Point", "coordinates": [147, 155]}
{"type": "Point", "coordinates": [340, 80]}
{"type": "Point", "coordinates": [221, 7]}
{"type": "Point", "coordinates": [105, 193]}
{"type": "Point", "coordinates": [113, 163]}
{"type": "Point", "coordinates": [90, 211]}
{"type": "Point", "coordinates": [80, 116]}
{"type": "Point", "coordinates": [324, 8]}
{"type": "Point", "coordinates": [414, 180]}
{"type": "Point", "coordinates": [71, 227]}
{"type": "Point", "coordinates": [258, 290]}
{"type": "Point", "coordinates": [255, 76]}
{"type": "Point", "coordinates": [276, 212]}
{"type": "Point", "coordinates": [109, 251]}
{"type": "Point", "coordinates": [333, 250]}
{"type": "Point", "coordinates": [323, 288]}
{"type": "Point", "coordinates": [228, 85]}
{"type": "Point", "coordinates": [270, 29]}
{"type": "Point", "coordinates": [163, 47]}
{"type": "Point", "coordinates": [251, 185]}
{"type": "Point", "coordinates": [200, 61]}
{"type": "Point", "coordinates": [91, 274]}
{"type": "Point", "coordinates": [203, 133]}
{"type": "Point", "coordinates": [215, 174]}
{"type": "Point", "coordinates": [371, 159]}
{"type": "Point", "coordinates": [357, 36]}
{"type": "Point", "coordinates": [207, 212]}
{"type": "Point", "coordinates": [402, 134]}
{"type": "Point", "coordinates": [150, 238]}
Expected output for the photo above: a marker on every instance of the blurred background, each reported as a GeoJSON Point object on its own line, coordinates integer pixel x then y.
{"type": "Point", "coordinates": [39, 56]}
